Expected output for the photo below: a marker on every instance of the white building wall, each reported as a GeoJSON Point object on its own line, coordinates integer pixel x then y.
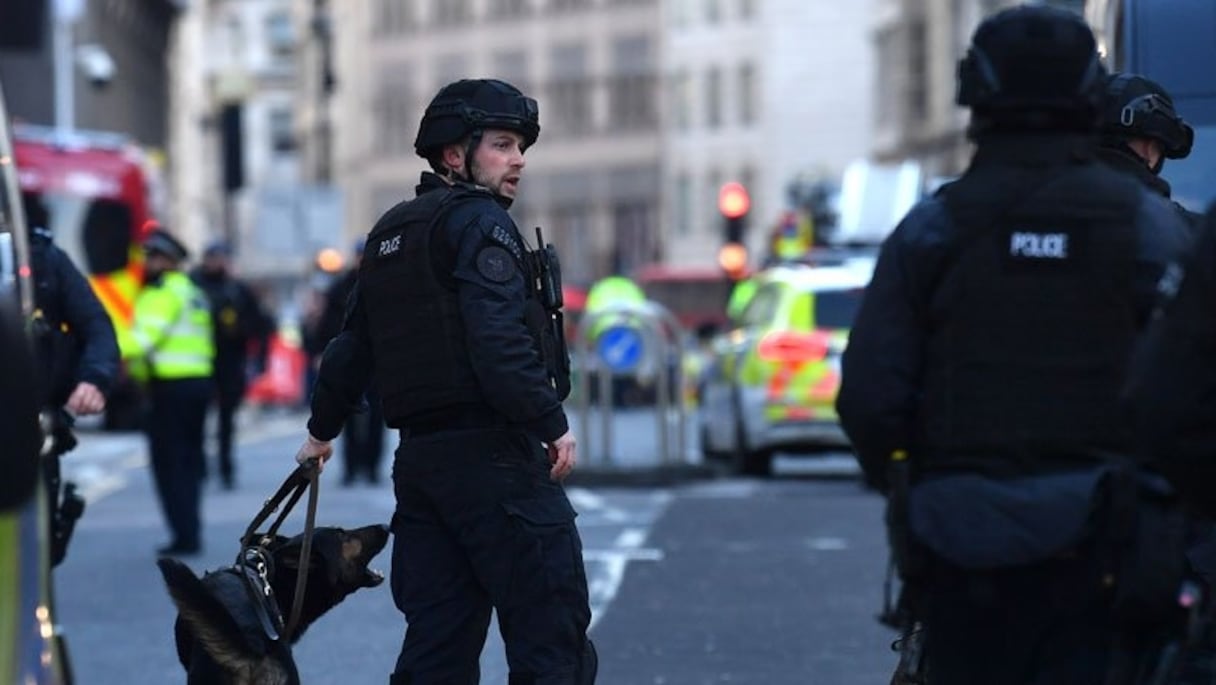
{"type": "Point", "coordinates": [814, 107]}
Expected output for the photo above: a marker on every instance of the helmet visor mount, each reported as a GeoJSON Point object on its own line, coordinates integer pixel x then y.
{"type": "Point", "coordinates": [1152, 116]}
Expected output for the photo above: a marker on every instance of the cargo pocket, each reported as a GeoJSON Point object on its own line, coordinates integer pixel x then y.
{"type": "Point", "coordinates": [548, 556]}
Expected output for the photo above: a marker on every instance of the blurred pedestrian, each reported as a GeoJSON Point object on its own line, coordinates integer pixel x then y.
{"type": "Point", "coordinates": [242, 331]}
{"type": "Point", "coordinates": [363, 434]}
{"type": "Point", "coordinates": [174, 355]}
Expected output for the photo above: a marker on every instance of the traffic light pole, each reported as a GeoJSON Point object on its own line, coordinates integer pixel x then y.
{"type": "Point", "coordinates": [63, 20]}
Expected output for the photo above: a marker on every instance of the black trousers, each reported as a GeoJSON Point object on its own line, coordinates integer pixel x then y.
{"type": "Point", "coordinates": [363, 442]}
{"type": "Point", "coordinates": [1040, 624]}
{"type": "Point", "coordinates": [480, 525]}
{"type": "Point", "coordinates": [229, 394]}
{"type": "Point", "coordinates": [175, 443]}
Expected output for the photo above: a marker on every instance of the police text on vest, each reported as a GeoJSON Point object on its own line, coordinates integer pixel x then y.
{"type": "Point", "coordinates": [388, 247]}
{"type": "Point", "coordinates": [1039, 245]}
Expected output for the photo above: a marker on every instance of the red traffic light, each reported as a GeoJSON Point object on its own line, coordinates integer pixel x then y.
{"type": "Point", "coordinates": [733, 200]}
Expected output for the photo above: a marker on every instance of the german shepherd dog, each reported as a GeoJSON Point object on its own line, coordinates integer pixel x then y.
{"type": "Point", "coordinates": [220, 638]}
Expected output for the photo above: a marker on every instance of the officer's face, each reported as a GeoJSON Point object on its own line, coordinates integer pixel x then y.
{"type": "Point", "coordinates": [498, 162]}
{"type": "Point", "coordinates": [1149, 150]}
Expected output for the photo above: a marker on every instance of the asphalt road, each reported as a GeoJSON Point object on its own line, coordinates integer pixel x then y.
{"type": "Point", "coordinates": [726, 581]}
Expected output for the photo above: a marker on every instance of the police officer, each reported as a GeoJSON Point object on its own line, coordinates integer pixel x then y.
{"type": "Point", "coordinates": [78, 353]}
{"type": "Point", "coordinates": [241, 327]}
{"type": "Point", "coordinates": [463, 346]}
{"type": "Point", "coordinates": [174, 353]}
{"type": "Point", "coordinates": [980, 383]}
{"type": "Point", "coordinates": [1140, 130]}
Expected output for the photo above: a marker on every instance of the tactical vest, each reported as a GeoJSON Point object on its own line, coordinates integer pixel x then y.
{"type": "Point", "coordinates": [1032, 324]}
{"type": "Point", "coordinates": [417, 332]}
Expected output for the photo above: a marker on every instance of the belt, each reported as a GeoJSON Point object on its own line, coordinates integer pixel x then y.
{"type": "Point", "coordinates": [466, 420]}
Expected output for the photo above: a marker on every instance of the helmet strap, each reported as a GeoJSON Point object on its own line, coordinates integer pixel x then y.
{"type": "Point", "coordinates": [470, 148]}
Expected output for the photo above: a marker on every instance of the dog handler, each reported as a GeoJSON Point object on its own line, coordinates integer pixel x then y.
{"type": "Point", "coordinates": [450, 316]}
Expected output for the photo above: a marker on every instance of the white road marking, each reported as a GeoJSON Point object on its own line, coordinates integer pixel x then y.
{"type": "Point", "coordinates": [584, 499]}
{"type": "Point", "coordinates": [828, 544]}
{"type": "Point", "coordinates": [627, 548]}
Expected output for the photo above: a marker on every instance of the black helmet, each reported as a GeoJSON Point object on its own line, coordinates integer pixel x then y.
{"type": "Point", "coordinates": [1137, 107]}
{"type": "Point", "coordinates": [470, 105]}
{"type": "Point", "coordinates": [160, 241]}
{"type": "Point", "coordinates": [1032, 57]}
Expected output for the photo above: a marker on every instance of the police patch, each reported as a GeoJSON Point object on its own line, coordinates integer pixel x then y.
{"type": "Point", "coordinates": [495, 264]}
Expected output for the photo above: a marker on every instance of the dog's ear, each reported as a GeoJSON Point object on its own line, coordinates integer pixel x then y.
{"type": "Point", "coordinates": [207, 619]}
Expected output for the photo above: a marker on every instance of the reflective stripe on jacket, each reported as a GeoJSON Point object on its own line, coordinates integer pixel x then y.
{"type": "Point", "coordinates": [172, 330]}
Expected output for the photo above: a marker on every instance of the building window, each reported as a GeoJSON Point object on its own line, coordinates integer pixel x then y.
{"type": "Point", "coordinates": [508, 9]}
{"type": "Point", "coordinates": [393, 113]}
{"type": "Point", "coordinates": [681, 85]}
{"type": "Point", "coordinates": [570, 90]}
{"type": "Point", "coordinates": [572, 227]}
{"type": "Point", "coordinates": [683, 205]}
{"type": "Point", "coordinates": [566, 5]}
{"type": "Point", "coordinates": [713, 183]}
{"type": "Point", "coordinates": [713, 11]}
{"type": "Point", "coordinates": [636, 242]}
{"type": "Point", "coordinates": [681, 13]}
{"type": "Point", "coordinates": [631, 87]}
{"type": "Point", "coordinates": [282, 130]}
{"type": "Point", "coordinates": [451, 12]}
{"type": "Point", "coordinates": [747, 9]}
{"type": "Point", "coordinates": [890, 70]}
{"type": "Point", "coordinates": [280, 34]}
{"type": "Point", "coordinates": [748, 95]}
{"type": "Point", "coordinates": [394, 17]}
{"type": "Point", "coordinates": [449, 68]}
{"type": "Point", "coordinates": [917, 93]}
{"type": "Point", "coordinates": [713, 98]}
{"type": "Point", "coordinates": [512, 66]}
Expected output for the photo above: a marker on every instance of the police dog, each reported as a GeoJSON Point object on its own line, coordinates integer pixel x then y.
{"type": "Point", "coordinates": [219, 628]}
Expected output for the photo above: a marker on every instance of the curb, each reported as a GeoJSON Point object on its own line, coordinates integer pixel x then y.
{"type": "Point", "coordinates": [641, 476]}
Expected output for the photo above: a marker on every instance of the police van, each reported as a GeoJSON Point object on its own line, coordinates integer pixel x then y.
{"type": "Point", "coordinates": [1173, 43]}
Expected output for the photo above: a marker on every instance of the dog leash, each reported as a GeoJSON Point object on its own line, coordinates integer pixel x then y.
{"type": "Point", "coordinates": [304, 477]}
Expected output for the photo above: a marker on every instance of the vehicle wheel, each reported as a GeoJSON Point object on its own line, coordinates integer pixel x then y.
{"type": "Point", "coordinates": [757, 463]}
{"type": "Point", "coordinates": [746, 461]}
{"type": "Point", "coordinates": [707, 452]}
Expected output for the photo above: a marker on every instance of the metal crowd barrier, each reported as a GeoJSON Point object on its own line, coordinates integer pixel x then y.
{"type": "Point", "coordinates": [657, 348]}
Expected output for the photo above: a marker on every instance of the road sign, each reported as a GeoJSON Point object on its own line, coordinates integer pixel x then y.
{"type": "Point", "coordinates": [621, 348]}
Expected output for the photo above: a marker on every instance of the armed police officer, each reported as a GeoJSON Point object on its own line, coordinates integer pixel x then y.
{"type": "Point", "coordinates": [982, 375]}
{"type": "Point", "coordinates": [459, 323]}
{"type": "Point", "coordinates": [1140, 130]}
{"type": "Point", "coordinates": [78, 353]}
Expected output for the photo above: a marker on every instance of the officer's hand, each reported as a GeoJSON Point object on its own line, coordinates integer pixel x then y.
{"type": "Point", "coordinates": [86, 399]}
{"type": "Point", "coordinates": [562, 454]}
{"type": "Point", "coordinates": [321, 450]}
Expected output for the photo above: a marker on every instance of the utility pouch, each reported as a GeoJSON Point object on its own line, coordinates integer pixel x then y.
{"type": "Point", "coordinates": [1146, 548]}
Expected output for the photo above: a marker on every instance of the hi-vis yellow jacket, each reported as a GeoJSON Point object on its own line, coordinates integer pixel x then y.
{"type": "Point", "coordinates": [171, 331]}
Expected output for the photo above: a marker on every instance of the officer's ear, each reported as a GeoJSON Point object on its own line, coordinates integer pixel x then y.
{"type": "Point", "coordinates": [453, 157]}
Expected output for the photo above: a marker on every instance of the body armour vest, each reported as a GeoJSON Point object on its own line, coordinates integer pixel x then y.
{"type": "Point", "coordinates": [416, 329]}
{"type": "Point", "coordinates": [1032, 323]}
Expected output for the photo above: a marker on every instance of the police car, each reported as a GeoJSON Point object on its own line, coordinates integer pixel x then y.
{"type": "Point", "coordinates": [772, 379]}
